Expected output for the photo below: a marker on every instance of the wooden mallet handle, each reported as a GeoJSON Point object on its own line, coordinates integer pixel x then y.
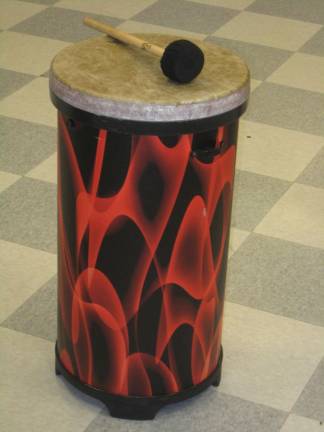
{"type": "Point", "coordinates": [180, 61]}
{"type": "Point", "coordinates": [123, 36]}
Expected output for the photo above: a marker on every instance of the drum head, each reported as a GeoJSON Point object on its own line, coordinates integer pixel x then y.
{"type": "Point", "coordinates": [106, 77]}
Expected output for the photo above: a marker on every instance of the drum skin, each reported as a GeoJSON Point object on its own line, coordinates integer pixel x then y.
{"type": "Point", "coordinates": [143, 232]}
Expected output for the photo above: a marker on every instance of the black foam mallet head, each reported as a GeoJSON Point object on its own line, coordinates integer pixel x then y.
{"type": "Point", "coordinates": [182, 61]}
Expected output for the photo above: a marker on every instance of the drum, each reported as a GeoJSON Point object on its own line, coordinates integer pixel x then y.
{"type": "Point", "coordinates": [145, 182]}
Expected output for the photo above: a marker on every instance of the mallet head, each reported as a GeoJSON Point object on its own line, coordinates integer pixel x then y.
{"type": "Point", "coordinates": [182, 61]}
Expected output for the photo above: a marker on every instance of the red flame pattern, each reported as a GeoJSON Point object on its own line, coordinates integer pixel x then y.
{"type": "Point", "coordinates": [143, 238]}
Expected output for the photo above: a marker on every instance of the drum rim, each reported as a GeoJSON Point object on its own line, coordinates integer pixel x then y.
{"type": "Point", "coordinates": [135, 127]}
{"type": "Point", "coordinates": [146, 112]}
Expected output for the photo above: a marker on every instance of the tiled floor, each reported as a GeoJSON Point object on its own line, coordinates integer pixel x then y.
{"type": "Point", "coordinates": [273, 376]}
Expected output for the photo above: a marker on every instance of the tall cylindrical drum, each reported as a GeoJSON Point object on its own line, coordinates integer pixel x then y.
{"type": "Point", "coordinates": [145, 183]}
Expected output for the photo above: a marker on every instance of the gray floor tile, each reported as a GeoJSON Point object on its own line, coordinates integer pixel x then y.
{"type": "Point", "coordinates": [12, 81]}
{"type": "Point", "coordinates": [315, 45]}
{"type": "Point", "coordinates": [254, 195]}
{"type": "Point", "coordinates": [24, 145]}
{"type": "Point", "coordinates": [261, 60]}
{"type": "Point", "coordinates": [287, 107]}
{"type": "Point", "coordinates": [209, 412]}
{"type": "Point", "coordinates": [312, 10]}
{"type": "Point", "coordinates": [61, 24]}
{"type": "Point", "coordinates": [28, 214]}
{"type": "Point", "coordinates": [37, 316]}
{"type": "Point", "coordinates": [186, 15]}
{"type": "Point", "coordinates": [311, 401]}
{"type": "Point", "coordinates": [280, 277]}
{"type": "Point", "coordinates": [313, 174]}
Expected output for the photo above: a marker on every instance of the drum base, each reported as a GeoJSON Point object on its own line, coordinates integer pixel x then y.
{"type": "Point", "coordinates": [138, 407]}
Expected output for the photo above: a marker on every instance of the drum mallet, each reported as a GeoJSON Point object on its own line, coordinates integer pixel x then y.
{"type": "Point", "coordinates": [181, 60]}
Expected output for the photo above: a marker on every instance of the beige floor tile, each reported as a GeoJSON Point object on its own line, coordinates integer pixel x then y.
{"type": "Point", "coordinates": [32, 397]}
{"type": "Point", "coordinates": [268, 30]}
{"type": "Point", "coordinates": [303, 71]}
{"type": "Point", "coordinates": [268, 359]}
{"type": "Point", "coordinates": [298, 217]}
{"type": "Point", "coordinates": [254, 84]}
{"type": "Point", "coordinates": [274, 151]}
{"type": "Point", "coordinates": [46, 170]}
{"type": "Point", "coordinates": [233, 4]}
{"type": "Point", "coordinates": [12, 12]}
{"type": "Point", "coordinates": [139, 27]}
{"type": "Point", "coordinates": [23, 270]}
{"type": "Point", "coordinates": [30, 103]}
{"type": "Point", "coordinates": [7, 179]}
{"type": "Point", "coordinates": [119, 9]}
{"type": "Point", "coordinates": [27, 54]}
{"type": "Point", "coordinates": [237, 237]}
{"type": "Point", "coordinates": [296, 423]}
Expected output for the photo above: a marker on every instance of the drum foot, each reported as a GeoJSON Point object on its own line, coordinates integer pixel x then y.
{"type": "Point", "coordinates": [217, 378]}
{"type": "Point", "coordinates": [57, 368]}
{"type": "Point", "coordinates": [132, 412]}
{"type": "Point", "coordinates": [218, 373]}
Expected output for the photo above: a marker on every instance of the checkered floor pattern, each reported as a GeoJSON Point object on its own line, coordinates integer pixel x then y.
{"type": "Point", "coordinates": [273, 377]}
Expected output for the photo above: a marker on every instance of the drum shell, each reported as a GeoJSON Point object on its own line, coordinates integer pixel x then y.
{"type": "Point", "coordinates": [144, 214]}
